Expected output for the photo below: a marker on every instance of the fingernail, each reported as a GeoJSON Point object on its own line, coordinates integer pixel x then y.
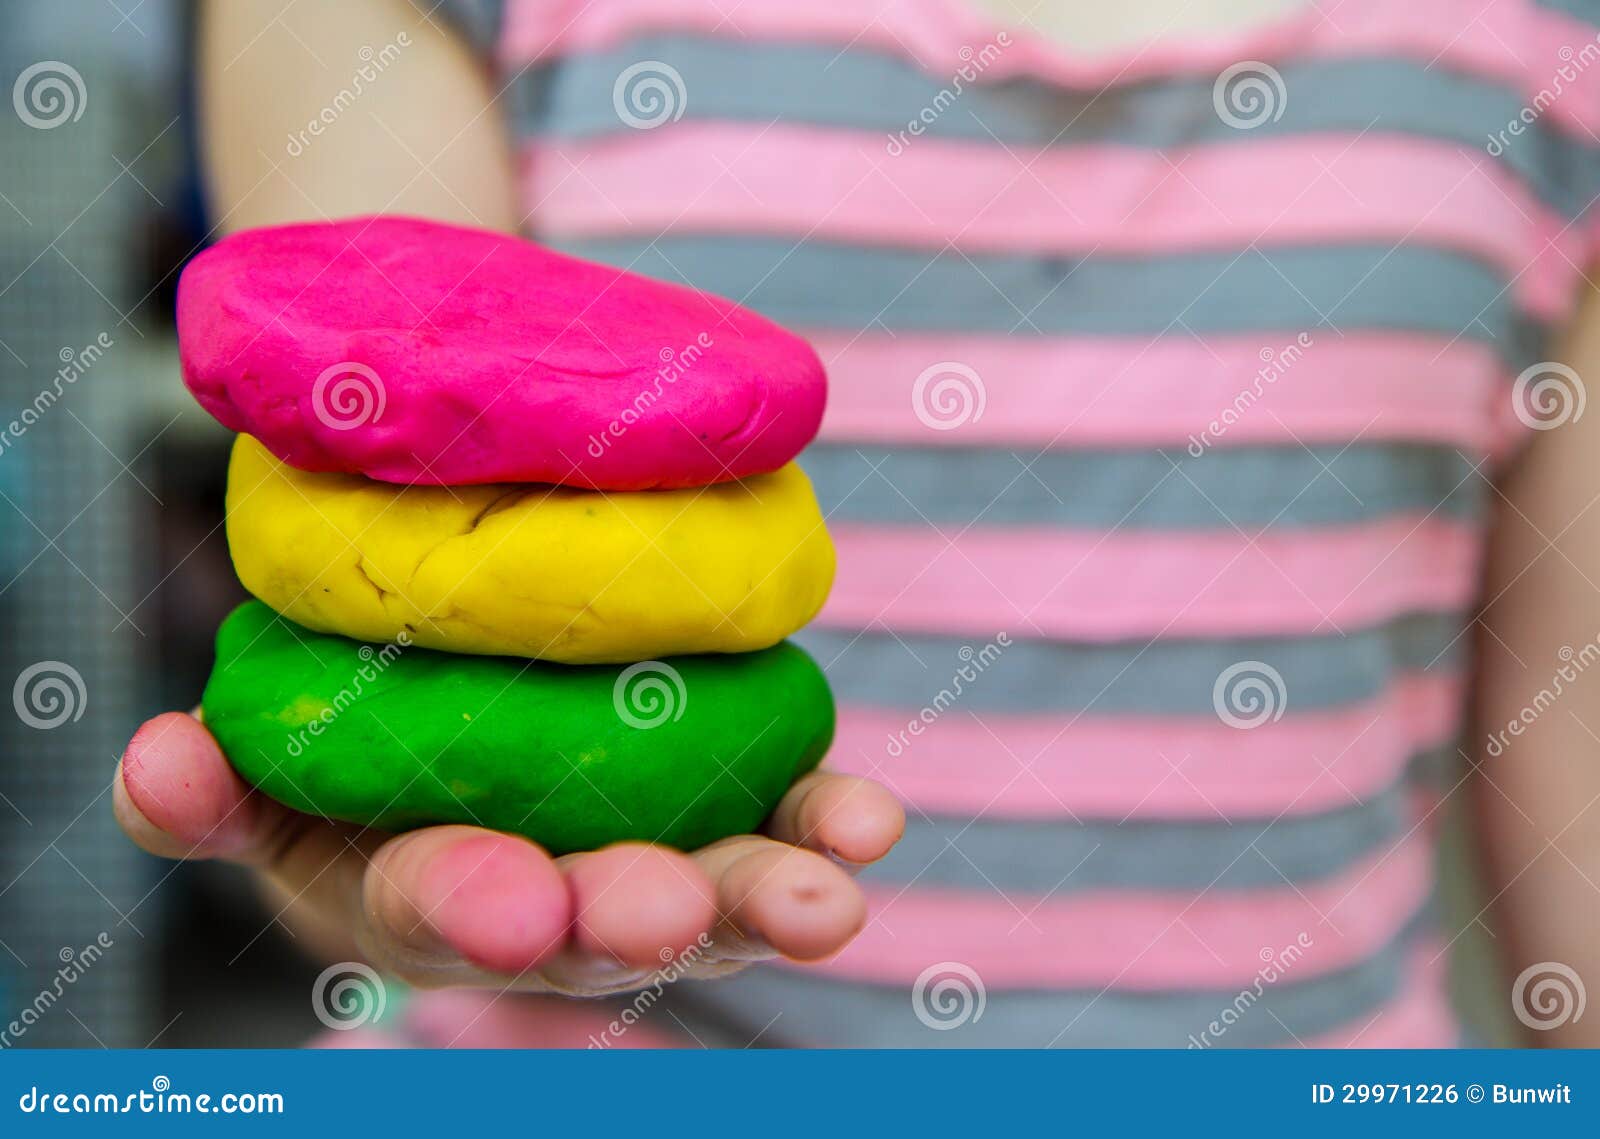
{"type": "Point", "coordinates": [842, 862]}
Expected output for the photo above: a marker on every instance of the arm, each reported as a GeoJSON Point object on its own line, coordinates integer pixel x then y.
{"type": "Point", "coordinates": [423, 136]}
{"type": "Point", "coordinates": [1539, 799]}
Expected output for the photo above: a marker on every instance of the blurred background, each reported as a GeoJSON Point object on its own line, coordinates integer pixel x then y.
{"type": "Point", "coordinates": [113, 568]}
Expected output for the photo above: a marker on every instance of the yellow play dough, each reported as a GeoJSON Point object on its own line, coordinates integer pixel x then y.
{"type": "Point", "coordinates": [580, 577]}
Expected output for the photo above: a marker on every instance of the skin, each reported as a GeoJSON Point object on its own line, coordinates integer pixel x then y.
{"type": "Point", "coordinates": [454, 905]}
{"type": "Point", "coordinates": [1108, 27]}
{"type": "Point", "coordinates": [459, 905]}
{"type": "Point", "coordinates": [1538, 802]}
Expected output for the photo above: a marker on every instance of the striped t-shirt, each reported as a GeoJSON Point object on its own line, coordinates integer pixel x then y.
{"type": "Point", "coordinates": [1165, 390]}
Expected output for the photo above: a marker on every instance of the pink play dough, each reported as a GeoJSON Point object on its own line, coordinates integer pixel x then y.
{"type": "Point", "coordinates": [415, 352]}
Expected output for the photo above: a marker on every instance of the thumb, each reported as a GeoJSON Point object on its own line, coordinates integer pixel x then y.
{"type": "Point", "coordinates": [176, 796]}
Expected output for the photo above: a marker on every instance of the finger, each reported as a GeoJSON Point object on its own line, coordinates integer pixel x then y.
{"type": "Point", "coordinates": [459, 904]}
{"type": "Point", "coordinates": [176, 796]}
{"type": "Point", "coordinates": [793, 900]}
{"type": "Point", "coordinates": [851, 818]}
{"type": "Point", "coordinates": [637, 908]}
{"type": "Point", "coordinates": [638, 905]}
{"type": "Point", "coordinates": [455, 899]}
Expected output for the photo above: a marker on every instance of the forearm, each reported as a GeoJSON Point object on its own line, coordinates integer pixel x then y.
{"type": "Point", "coordinates": [405, 119]}
{"type": "Point", "coordinates": [1536, 743]}
{"type": "Point", "coordinates": [1536, 803]}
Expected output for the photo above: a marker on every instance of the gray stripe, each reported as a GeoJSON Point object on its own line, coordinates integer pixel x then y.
{"type": "Point", "coordinates": [1169, 677]}
{"type": "Point", "coordinates": [822, 284]}
{"type": "Point", "coordinates": [1438, 771]}
{"type": "Point", "coordinates": [811, 1008]}
{"type": "Point", "coordinates": [477, 21]}
{"type": "Point", "coordinates": [1583, 10]}
{"type": "Point", "coordinates": [1106, 489]}
{"type": "Point", "coordinates": [1059, 857]}
{"type": "Point", "coordinates": [817, 84]}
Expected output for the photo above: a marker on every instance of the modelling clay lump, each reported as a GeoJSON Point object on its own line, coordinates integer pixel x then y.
{"type": "Point", "coordinates": [534, 571]}
{"type": "Point", "coordinates": [414, 352]}
{"type": "Point", "coordinates": [684, 751]}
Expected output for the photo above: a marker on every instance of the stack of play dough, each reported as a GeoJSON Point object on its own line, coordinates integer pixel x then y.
{"type": "Point", "coordinates": [526, 533]}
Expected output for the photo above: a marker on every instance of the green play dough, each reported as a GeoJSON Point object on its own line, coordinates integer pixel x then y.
{"type": "Point", "coordinates": [399, 737]}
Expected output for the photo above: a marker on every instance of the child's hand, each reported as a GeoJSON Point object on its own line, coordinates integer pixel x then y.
{"type": "Point", "coordinates": [459, 905]}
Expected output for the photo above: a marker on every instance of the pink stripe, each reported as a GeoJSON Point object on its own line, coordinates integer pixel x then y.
{"type": "Point", "coordinates": [757, 177]}
{"type": "Point", "coordinates": [1420, 1017]}
{"type": "Point", "coordinates": [1035, 766]}
{"type": "Point", "coordinates": [1515, 44]}
{"type": "Point", "coordinates": [1099, 391]}
{"type": "Point", "coordinates": [1128, 584]}
{"type": "Point", "coordinates": [1139, 941]}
